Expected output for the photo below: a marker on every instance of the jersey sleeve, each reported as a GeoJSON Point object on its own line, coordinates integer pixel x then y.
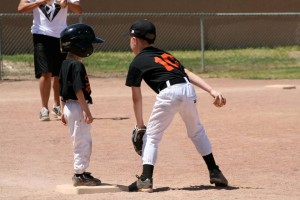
{"type": "Point", "coordinates": [134, 76]}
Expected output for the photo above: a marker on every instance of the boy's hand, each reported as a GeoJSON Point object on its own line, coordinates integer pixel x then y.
{"type": "Point", "coordinates": [219, 100]}
{"type": "Point", "coordinates": [63, 120]}
{"type": "Point", "coordinates": [88, 118]}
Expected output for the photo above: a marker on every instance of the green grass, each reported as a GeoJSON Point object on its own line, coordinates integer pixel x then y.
{"type": "Point", "coordinates": [111, 63]}
{"type": "Point", "coordinates": [19, 58]}
{"type": "Point", "coordinates": [258, 63]}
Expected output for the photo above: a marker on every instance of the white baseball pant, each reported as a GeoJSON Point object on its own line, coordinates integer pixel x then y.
{"type": "Point", "coordinates": [179, 98]}
{"type": "Point", "coordinates": [80, 134]}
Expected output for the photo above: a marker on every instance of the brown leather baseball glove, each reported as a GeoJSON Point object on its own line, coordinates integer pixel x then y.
{"type": "Point", "coordinates": [137, 139]}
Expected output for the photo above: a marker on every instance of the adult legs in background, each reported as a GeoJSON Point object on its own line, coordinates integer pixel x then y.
{"type": "Point", "coordinates": [45, 88]}
{"type": "Point", "coordinates": [56, 90]}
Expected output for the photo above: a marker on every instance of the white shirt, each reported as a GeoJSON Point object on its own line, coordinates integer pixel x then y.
{"type": "Point", "coordinates": [50, 19]}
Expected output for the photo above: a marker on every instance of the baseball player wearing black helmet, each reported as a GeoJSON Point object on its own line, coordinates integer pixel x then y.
{"type": "Point", "coordinates": [75, 92]}
{"type": "Point", "coordinates": [175, 94]}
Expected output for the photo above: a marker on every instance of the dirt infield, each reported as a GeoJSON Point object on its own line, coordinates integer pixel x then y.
{"type": "Point", "coordinates": [255, 140]}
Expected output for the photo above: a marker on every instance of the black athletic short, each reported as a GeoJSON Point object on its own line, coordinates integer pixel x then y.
{"type": "Point", "coordinates": [47, 55]}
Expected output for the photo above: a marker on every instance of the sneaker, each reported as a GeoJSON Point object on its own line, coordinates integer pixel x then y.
{"type": "Point", "coordinates": [217, 178]}
{"type": "Point", "coordinates": [143, 184]}
{"type": "Point", "coordinates": [85, 179]}
{"type": "Point", "coordinates": [56, 112]}
{"type": "Point", "coordinates": [44, 114]}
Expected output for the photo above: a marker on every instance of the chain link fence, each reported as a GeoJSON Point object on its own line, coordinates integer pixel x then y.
{"type": "Point", "coordinates": [175, 31]}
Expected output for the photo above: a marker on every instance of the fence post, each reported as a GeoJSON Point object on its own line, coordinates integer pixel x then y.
{"type": "Point", "coordinates": [80, 19]}
{"type": "Point", "coordinates": [1, 58]}
{"type": "Point", "coordinates": [202, 41]}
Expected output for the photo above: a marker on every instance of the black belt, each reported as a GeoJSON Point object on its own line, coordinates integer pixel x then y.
{"type": "Point", "coordinates": [173, 81]}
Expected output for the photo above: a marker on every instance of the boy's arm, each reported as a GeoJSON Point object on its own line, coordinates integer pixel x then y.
{"type": "Point", "coordinates": [62, 105]}
{"type": "Point", "coordinates": [88, 118]}
{"type": "Point", "coordinates": [219, 100]}
{"type": "Point", "coordinates": [199, 82]}
{"type": "Point", "coordinates": [138, 106]}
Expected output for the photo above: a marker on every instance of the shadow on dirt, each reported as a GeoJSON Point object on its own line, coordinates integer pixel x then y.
{"type": "Point", "coordinates": [196, 188]}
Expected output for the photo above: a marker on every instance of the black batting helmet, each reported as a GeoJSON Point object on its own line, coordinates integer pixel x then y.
{"type": "Point", "coordinates": [78, 39]}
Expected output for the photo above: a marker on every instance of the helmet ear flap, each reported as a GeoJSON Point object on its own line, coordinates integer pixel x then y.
{"type": "Point", "coordinates": [82, 50]}
{"type": "Point", "coordinates": [65, 47]}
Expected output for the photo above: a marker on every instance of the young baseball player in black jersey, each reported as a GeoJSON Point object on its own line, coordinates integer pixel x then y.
{"type": "Point", "coordinates": [75, 92]}
{"type": "Point", "coordinates": [175, 94]}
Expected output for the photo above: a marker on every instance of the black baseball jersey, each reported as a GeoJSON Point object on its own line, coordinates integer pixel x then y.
{"type": "Point", "coordinates": [72, 78]}
{"type": "Point", "coordinates": [155, 67]}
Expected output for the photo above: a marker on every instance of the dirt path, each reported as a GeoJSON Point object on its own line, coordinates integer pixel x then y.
{"type": "Point", "coordinates": [255, 141]}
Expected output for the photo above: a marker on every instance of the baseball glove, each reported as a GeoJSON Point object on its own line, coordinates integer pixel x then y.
{"type": "Point", "coordinates": [137, 139]}
{"type": "Point", "coordinates": [219, 101]}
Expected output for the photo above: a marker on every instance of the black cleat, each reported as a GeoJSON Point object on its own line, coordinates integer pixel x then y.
{"type": "Point", "coordinates": [217, 178]}
{"type": "Point", "coordinates": [143, 184]}
{"type": "Point", "coordinates": [85, 179]}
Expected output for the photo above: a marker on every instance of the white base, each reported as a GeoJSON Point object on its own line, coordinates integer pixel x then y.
{"type": "Point", "coordinates": [282, 86]}
{"type": "Point", "coordinates": [70, 189]}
